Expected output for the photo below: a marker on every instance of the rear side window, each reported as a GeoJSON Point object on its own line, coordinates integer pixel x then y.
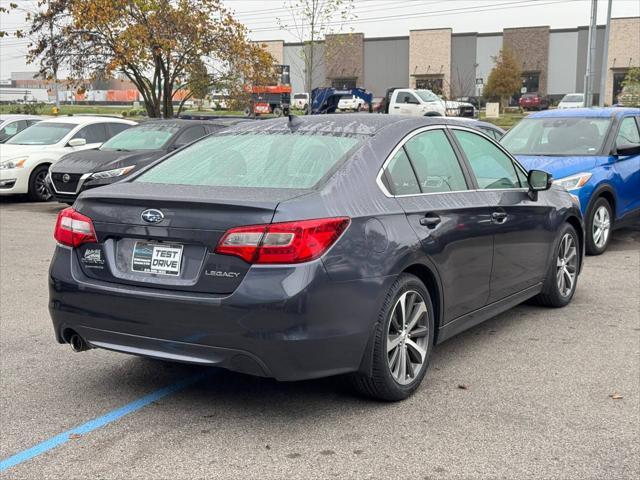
{"type": "Point", "coordinates": [435, 163]}
{"type": "Point", "coordinates": [400, 177]}
{"type": "Point", "coordinates": [492, 168]}
{"type": "Point", "coordinates": [253, 160]}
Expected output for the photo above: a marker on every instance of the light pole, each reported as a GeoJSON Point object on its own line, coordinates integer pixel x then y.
{"type": "Point", "coordinates": [605, 57]}
{"type": "Point", "coordinates": [591, 56]}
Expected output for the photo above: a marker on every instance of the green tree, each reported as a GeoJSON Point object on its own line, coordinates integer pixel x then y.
{"type": "Point", "coordinates": [505, 79]}
{"type": "Point", "coordinates": [160, 45]}
{"type": "Point", "coordinates": [630, 95]}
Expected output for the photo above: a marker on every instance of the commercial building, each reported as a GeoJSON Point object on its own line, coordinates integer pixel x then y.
{"type": "Point", "coordinates": [553, 61]}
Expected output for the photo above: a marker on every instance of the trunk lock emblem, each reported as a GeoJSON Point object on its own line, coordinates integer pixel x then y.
{"type": "Point", "coordinates": [152, 216]}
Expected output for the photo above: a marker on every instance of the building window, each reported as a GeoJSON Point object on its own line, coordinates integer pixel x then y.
{"type": "Point", "coordinates": [344, 83]}
{"type": "Point", "coordinates": [435, 84]}
{"type": "Point", "coordinates": [618, 78]}
{"type": "Point", "coordinates": [530, 82]}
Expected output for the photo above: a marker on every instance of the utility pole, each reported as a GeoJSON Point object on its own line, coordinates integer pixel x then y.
{"type": "Point", "coordinates": [605, 56]}
{"type": "Point", "coordinates": [591, 56]}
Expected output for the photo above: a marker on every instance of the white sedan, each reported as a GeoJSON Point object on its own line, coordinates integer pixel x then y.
{"type": "Point", "coordinates": [25, 158]}
{"type": "Point", "coordinates": [572, 100]}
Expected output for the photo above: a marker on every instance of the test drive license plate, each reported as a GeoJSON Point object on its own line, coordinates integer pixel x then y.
{"type": "Point", "coordinates": [161, 258]}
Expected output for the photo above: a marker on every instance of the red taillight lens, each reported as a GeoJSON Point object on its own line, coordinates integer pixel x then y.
{"type": "Point", "coordinates": [74, 229]}
{"type": "Point", "coordinates": [288, 242]}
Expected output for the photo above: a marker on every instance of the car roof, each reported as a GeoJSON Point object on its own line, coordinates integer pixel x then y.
{"type": "Point", "coordinates": [16, 116]}
{"type": "Point", "coordinates": [185, 122]}
{"type": "Point", "coordinates": [349, 124]}
{"type": "Point", "coordinates": [593, 112]}
{"type": "Point", "coordinates": [82, 119]}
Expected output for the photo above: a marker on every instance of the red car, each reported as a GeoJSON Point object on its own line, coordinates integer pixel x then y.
{"type": "Point", "coordinates": [533, 101]}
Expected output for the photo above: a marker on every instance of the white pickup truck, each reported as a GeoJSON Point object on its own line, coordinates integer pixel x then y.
{"type": "Point", "coordinates": [418, 103]}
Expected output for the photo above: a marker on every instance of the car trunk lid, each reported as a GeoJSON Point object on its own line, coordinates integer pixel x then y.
{"type": "Point", "coordinates": [177, 251]}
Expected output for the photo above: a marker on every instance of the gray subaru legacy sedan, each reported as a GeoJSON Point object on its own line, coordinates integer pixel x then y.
{"type": "Point", "coordinates": [306, 247]}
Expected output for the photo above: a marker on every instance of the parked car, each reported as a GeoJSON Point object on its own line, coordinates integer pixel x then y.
{"type": "Point", "coordinates": [572, 100]}
{"type": "Point", "coordinates": [25, 158]}
{"type": "Point", "coordinates": [592, 152]}
{"type": "Point", "coordinates": [533, 101]}
{"type": "Point", "coordinates": [124, 154]}
{"type": "Point", "coordinates": [416, 103]}
{"type": "Point", "coordinates": [351, 103]}
{"type": "Point", "coordinates": [13, 123]}
{"type": "Point", "coordinates": [377, 104]}
{"type": "Point", "coordinates": [313, 246]}
{"type": "Point", "coordinates": [454, 108]}
{"type": "Point", "coordinates": [300, 101]}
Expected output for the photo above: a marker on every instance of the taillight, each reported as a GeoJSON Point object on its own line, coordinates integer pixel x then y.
{"type": "Point", "coordinates": [287, 242]}
{"type": "Point", "coordinates": [73, 229]}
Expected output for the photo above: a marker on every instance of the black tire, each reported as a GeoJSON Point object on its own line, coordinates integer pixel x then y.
{"type": "Point", "coordinates": [277, 112]}
{"type": "Point", "coordinates": [382, 385]}
{"type": "Point", "coordinates": [551, 295]}
{"type": "Point", "coordinates": [38, 191]}
{"type": "Point", "coordinates": [596, 246]}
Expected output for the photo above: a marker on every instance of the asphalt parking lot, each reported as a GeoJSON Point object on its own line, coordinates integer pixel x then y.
{"type": "Point", "coordinates": [536, 400]}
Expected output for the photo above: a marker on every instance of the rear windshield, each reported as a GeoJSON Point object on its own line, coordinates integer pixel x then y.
{"type": "Point", "coordinates": [557, 136]}
{"type": "Point", "coordinates": [253, 160]}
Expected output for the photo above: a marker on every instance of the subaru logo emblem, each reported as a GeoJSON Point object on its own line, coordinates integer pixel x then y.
{"type": "Point", "coordinates": [152, 215]}
{"type": "Point", "coordinates": [66, 177]}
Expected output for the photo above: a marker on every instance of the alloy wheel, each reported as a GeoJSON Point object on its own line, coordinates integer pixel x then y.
{"type": "Point", "coordinates": [601, 226]}
{"type": "Point", "coordinates": [567, 265]}
{"type": "Point", "coordinates": [407, 337]}
{"type": "Point", "coordinates": [41, 186]}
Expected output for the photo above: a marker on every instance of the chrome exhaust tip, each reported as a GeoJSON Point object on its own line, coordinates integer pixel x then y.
{"type": "Point", "coordinates": [77, 343]}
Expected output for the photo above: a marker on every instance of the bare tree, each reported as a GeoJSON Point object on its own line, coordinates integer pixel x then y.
{"type": "Point", "coordinates": [309, 21]}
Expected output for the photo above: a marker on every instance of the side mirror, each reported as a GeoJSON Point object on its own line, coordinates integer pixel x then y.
{"type": "Point", "coordinates": [627, 149]}
{"type": "Point", "coordinates": [538, 181]}
{"type": "Point", "coordinates": [77, 142]}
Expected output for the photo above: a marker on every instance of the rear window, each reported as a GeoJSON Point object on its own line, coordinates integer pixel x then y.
{"type": "Point", "coordinates": [253, 160]}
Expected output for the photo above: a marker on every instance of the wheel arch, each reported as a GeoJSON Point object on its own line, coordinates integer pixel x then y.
{"type": "Point", "coordinates": [607, 192]}
{"type": "Point", "coordinates": [429, 277]}
{"type": "Point", "coordinates": [577, 225]}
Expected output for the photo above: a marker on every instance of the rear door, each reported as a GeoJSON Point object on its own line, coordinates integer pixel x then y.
{"type": "Point", "coordinates": [454, 228]}
{"type": "Point", "coordinates": [523, 237]}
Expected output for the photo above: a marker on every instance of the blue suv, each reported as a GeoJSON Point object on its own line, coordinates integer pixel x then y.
{"type": "Point", "coordinates": [592, 152]}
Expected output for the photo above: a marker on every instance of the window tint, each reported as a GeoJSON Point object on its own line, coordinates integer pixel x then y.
{"type": "Point", "coordinates": [265, 160]}
{"type": "Point", "coordinates": [12, 128]}
{"type": "Point", "coordinates": [491, 166]}
{"type": "Point", "coordinates": [628, 134]}
{"type": "Point", "coordinates": [95, 133]}
{"type": "Point", "coordinates": [43, 133]}
{"type": "Point", "coordinates": [116, 128]}
{"type": "Point", "coordinates": [190, 135]}
{"type": "Point", "coordinates": [435, 163]}
{"type": "Point", "coordinates": [401, 180]}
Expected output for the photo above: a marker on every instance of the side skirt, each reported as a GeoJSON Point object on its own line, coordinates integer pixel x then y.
{"type": "Point", "coordinates": [472, 319]}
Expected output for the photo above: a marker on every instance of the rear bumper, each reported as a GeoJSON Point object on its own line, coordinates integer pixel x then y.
{"type": "Point", "coordinates": [288, 322]}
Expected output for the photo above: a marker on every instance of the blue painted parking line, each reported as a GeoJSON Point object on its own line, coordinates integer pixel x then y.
{"type": "Point", "coordinates": [96, 423]}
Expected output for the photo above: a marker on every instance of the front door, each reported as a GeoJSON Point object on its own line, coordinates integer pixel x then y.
{"type": "Point", "coordinates": [521, 226]}
{"type": "Point", "coordinates": [455, 231]}
{"type": "Point", "coordinates": [626, 168]}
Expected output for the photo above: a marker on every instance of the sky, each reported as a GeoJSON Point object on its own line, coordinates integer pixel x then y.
{"type": "Point", "coordinates": [374, 18]}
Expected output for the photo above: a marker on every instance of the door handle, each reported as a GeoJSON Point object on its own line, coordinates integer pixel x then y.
{"type": "Point", "coordinates": [396, 107]}
{"type": "Point", "coordinates": [430, 220]}
{"type": "Point", "coordinates": [499, 217]}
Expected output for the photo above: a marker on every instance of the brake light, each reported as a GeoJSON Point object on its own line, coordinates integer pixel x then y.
{"type": "Point", "coordinates": [73, 229]}
{"type": "Point", "coordinates": [287, 242]}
